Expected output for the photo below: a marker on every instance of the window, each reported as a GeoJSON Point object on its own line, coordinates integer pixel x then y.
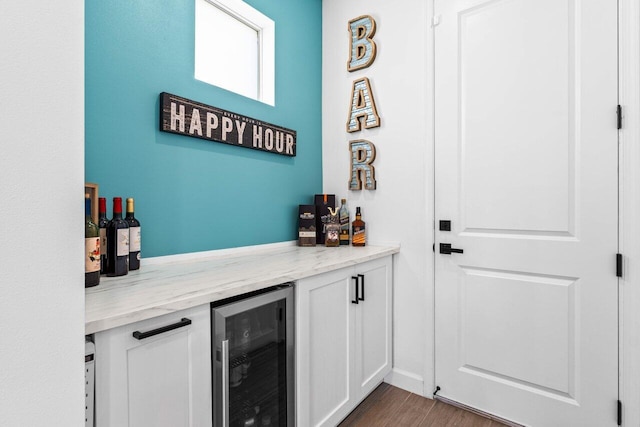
{"type": "Point", "coordinates": [234, 48]}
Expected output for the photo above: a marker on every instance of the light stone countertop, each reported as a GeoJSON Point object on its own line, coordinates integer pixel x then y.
{"type": "Point", "coordinates": [177, 283]}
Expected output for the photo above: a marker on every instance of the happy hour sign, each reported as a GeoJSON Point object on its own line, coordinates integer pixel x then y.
{"type": "Point", "coordinates": [185, 117]}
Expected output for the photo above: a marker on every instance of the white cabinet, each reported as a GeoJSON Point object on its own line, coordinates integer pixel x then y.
{"type": "Point", "coordinates": [160, 380]}
{"type": "Point", "coordinates": [343, 348]}
{"type": "Point", "coordinates": [373, 326]}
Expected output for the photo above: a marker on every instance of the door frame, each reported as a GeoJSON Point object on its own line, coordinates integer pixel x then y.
{"type": "Point", "coordinates": [629, 232]}
{"type": "Point", "coordinates": [629, 209]}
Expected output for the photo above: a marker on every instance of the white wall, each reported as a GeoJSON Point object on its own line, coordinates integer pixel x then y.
{"type": "Point", "coordinates": [41, 211]}
{"type": "Point", "coordinates": [400, 209]}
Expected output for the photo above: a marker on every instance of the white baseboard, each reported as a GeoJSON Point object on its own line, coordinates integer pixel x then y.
{"type": "Point", "coordinates": [406, 380]}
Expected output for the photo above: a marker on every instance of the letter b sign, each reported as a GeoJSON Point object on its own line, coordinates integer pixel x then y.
{"type": "Point", "coordinates": [363, 48]}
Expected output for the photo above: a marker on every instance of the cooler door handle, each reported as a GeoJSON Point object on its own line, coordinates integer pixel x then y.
{"type": "Point", "coordinates": [225, 383]}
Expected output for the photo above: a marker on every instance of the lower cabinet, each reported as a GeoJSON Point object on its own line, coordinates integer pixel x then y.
{"type": "Point", "coordinates": [343, 340]}
{"type": "Point", "coordinates": [155, 372]}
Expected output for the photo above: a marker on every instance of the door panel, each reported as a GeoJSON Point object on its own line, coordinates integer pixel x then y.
{"type": "Point", "coordinates": [526, 170]}
{"type": "Point", "coordinates": [496, 65]}
{"type": "Point", "coordinates": [498, 307]}
{"type": "Point", "coordinates": [149, 380]}
{"type": "Point", "coordinates": [374, 325]}
{"type": "Point", "coordinates": [324, 331]}
{"type": "Point", "coordinates": [329, 331]}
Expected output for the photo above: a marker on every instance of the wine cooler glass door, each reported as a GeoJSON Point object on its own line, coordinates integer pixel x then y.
{"type": "Point", "coordinates": [254, 362]}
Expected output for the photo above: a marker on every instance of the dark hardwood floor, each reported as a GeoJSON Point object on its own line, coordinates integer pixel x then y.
{"type": "Point", "coordinates": [394, 407]}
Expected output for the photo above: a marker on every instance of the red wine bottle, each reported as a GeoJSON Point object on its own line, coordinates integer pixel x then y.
{"type": "Point", "coordinates": [91, 247]}
{"type": "Point", "coordinates": [102, 224]}
{"type": "Point", "coordinates": [117, 242]}
{"type": "Point", "coordinates": [134, 236]}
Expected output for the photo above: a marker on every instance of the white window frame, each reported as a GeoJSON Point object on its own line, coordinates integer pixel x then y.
{"type": "Point", "coordinates": [265, 28]}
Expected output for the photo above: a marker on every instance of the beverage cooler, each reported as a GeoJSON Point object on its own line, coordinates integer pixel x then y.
{"type": "Point", "coordinates": [253, 359]}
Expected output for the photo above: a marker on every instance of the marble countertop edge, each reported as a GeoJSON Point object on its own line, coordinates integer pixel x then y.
{"type": "Point", "coordinates": [180, 283]}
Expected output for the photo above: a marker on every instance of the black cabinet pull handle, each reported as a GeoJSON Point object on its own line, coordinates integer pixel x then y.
{"type": "Point", "coordinates": [355, 282]}
{"type": "Point", "coordinates": [361, 276]}
{"type": "Point", "coordinates": [142, 335]}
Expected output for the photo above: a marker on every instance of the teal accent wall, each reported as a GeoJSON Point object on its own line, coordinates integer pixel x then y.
{"type": "Point", "coordinates": [194, 195]}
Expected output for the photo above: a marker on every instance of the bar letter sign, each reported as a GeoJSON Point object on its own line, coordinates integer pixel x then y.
{"type": "Point", "coordinates": [190, 118]}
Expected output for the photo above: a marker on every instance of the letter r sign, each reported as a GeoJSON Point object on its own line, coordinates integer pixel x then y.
{"type": "Point", "coordinates": [363, 153]}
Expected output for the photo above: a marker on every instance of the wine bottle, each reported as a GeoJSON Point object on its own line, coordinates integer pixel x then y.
{"type": "Point", "coordinates": [134, 236]}
{"type": "Point", "coordinates": [358, 237]}
{"type": "Point", "coordinates": [91, 247]}
{"type": "Point", "coordinates": [117, 242]}
{"type": "Point", "coordinates": [344, 223]}
{"type": "Point", "coordinates": [102, 225]}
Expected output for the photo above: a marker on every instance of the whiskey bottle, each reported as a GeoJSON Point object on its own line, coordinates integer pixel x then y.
{"type": "Point", "coordinates": [358, 235]}
{"type": "Point", "coordinates": [344, 223]}
{"type": "Point", "coordinates": [332, 236]}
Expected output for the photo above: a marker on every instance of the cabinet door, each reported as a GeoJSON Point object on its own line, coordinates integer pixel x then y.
{"type": "Point", "coordinates": [324, 348]}
{"type": "Point", "coordinates": [162, 380]}
{"type": "Point", "coordinates": [373, 325]}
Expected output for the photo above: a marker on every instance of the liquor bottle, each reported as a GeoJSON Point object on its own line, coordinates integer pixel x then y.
{"type": "Point", "coordinates": [332, 227]}
{"type": "Point", "coordinates": [134, 236]}
{"type": "Point", "coordinates": [358, 237]}
{"type": "Point", "coordinates": [102, 225]}
{"type": "Point", "coordinates": [117, 242]}
{"type": "Point", "coordinates": [344, 223]}
{"type": "Point", "coordinates": [91, 247]}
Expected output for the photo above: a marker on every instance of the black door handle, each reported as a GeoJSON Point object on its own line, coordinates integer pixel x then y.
{"type": "Point", "coordinates": [361, 276]}
{"type": "Point", "coordinates": [355, 282]}
{"type": "Point", "coordinates": [142, 335]}
{"type": "Point", "coordinates": [445, 248]}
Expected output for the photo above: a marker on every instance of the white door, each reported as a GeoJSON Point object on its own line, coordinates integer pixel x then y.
{"type": "Point", "coordinates": [526, 171]}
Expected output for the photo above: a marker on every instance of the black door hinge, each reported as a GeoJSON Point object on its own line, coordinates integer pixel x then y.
{"type": "Point", "coordinates": [619, 413]}
{"type": "Point", "coordinates": [619, 113]}
{"type": "Point", "coordinates": [618, 265]}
